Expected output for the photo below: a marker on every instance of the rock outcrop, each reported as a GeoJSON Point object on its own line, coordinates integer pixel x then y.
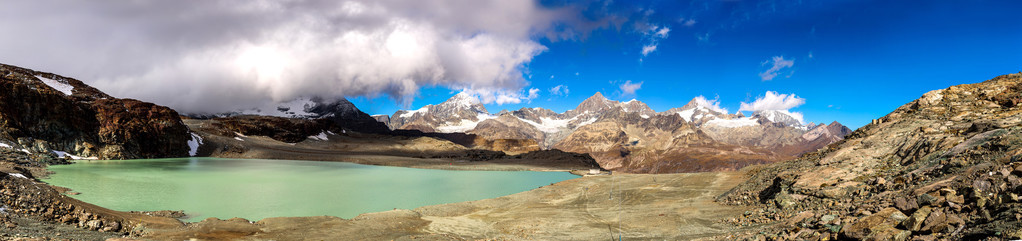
{"type": "Point", "coordinates": [947, 166]}
{"type": "Point", "coordinates": [43, 112]}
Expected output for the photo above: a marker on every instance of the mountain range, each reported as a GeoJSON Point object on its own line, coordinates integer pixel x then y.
{"type": "Point", "coordinates": [630, 136]}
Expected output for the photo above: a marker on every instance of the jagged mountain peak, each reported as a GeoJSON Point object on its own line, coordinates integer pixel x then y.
{"type": "Point", "coordinates": [780, 116]}
{"type": "Point", "coordinates": [462, 101]}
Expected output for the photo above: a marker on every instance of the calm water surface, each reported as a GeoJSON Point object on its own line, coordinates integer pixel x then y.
{"type": "Point", "coordinates": [256, 189]}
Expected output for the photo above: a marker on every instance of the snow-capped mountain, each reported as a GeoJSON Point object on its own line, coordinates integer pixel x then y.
{"type": "Point", "coordinates": [781, 116]}
{"type": "Point", "coordinates": [341, 111]}
{"type": "Point", "coordinates": [460, 113]}
{"type": "Point", "coordinates": [610, 130]}
{"type": "Point", "coordinates": [698, 111]}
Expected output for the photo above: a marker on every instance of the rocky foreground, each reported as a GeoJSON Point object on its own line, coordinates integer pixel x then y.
{"type": "Point", "coordinates": [947, 166]}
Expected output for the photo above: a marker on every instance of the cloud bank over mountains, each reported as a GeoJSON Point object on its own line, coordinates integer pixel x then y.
{"type": "Point", "coordinates": [217, 54]}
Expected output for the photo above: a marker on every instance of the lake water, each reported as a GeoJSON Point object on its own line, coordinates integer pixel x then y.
{"type": "Point", "coordinates": [256, 189]}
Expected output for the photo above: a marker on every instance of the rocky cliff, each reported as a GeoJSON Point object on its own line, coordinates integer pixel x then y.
{"type": "Point", "coordinates": [947, 166]}
{"type": "Point", "coordinates": [47, 113]}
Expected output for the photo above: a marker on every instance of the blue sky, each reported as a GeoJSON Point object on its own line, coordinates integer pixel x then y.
{"type": "Point", "coordinates": [851, 61]}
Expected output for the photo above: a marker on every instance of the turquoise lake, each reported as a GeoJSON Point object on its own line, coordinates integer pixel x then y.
{"type": "Point", "coordinates": [257, 189]}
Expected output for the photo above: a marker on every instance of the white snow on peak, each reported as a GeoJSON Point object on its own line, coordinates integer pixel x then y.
{"type": "Point", "coordinates": [5, 145]}
{"type": "Point", "coordinates": [410, 114]}
{"type": "Point", "coordinates": [733, 123]}
{"type": "Point", "coordinates": [687, 114]}
{"type": "Point", "coordinates": [713, 105]}
{"type": "Point", "coordinates": [57, 85]}
{"type": "Point", "coordinates": [193, 144]}
{"type": "Point", "coordinates": [462, 99]}
{"type": "Point", "coordinates": [775, 115]}
{"type": "Point", "coordinates": [465, 124]}
{"type": "Point", "coordinates": [321, 137]}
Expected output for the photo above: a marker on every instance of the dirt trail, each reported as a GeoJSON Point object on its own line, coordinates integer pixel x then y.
{"type": "Point", "coordinates": [665, 206]}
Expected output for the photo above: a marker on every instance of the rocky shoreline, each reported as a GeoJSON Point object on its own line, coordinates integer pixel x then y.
{"type": "Point", "coordinates": [33, 209]}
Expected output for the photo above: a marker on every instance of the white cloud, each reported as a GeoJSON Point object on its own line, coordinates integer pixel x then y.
{"type": "Point", "coordinates": [533, 93]}
{"type": "Point", "coordinates": [662, 32]}
{"type": "Point", "coordinates": [778, 64]}
{"type": "Point", "coordinates": [648, 49]}
{"type": "Point", "coordinates": [776, 102]}
{"type": "Point", "coordinates": [219, 55]}
{"type": "Point", "coordinates": [690, 23]}
{"type": "Point", "coordinates": [629, 88]}
{"type": "Point", "coordinates": [653, 37]}
{"type": "Point", "coordinates": [559, 90]}
{"type": "Point", "coordinates": [773, 101]}
{"type": "Point", "coordinates": [713, 104]}
{"type": "Point", "coordinates": [502, 96]}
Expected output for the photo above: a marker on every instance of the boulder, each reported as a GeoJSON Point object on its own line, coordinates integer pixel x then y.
{"type": "Point", "coordinates": [880, 226]}
{"type": "Point", "coordinates": [915, 221]}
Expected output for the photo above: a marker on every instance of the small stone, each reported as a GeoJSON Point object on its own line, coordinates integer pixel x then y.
{"type": "Point", "coordinates": [898, 217]}
{"type": "Point", "coordinates": [94, 224]}
{"type": "Point", "coordinates": [827, 219]}
{"type": "Point", "coordinates": [924, 238]}
{"type": "Point", "coordinates": [112, 226]}
{"type": "Point", "coordinates": [925, 199]}
{"type": "Point", "coordinates": [936, 222]}
{"type": "Point", "coordinates": [915, 221]}
{"type": "Point", "coordinates": [904, 205]}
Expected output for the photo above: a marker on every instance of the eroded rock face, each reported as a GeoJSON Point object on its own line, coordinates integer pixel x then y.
{"type": "Point", "coordinates": [44, 112]}
{"type": "Point", "coordinates": [946, 161]}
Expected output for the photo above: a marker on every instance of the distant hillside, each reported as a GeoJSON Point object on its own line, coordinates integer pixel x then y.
{"type": "Point", "coordinates": [50, 114]}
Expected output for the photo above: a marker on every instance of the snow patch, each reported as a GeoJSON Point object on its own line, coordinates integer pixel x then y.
{"type": "Point", "coordinates": [18, 175]}
{"type": "Point", "coordinates": [239, 134]}
{"type": "Point", "coordinates": [590, 121]}
{"type": "Point", "coordinates": [57, 85]}
{"type": "Point", "coordinates": [410, 114]}
{"type": "Point", "coordinates": [644, 116]}
{"type": "Point", "coordinates": [321, 137]}
{"type": "Point", "coordinates": [733, 123]}
{"type": "Point", "coordinates": [193, 144]}
{"type": "Point", "coordinates": [5, 145]}
{"type": "Point", "coordinates": [687, 114]}
{"type": "Point", "coordinates": [549, 125]}
{"type": "Point", "coordinates": [238, 138]}
{"type": "Point", "coordinates": [61, 154]}
{"type": "Point", "coordinates": [465, 125]}
{"type": "Point", "coordinates": [26, 151]}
